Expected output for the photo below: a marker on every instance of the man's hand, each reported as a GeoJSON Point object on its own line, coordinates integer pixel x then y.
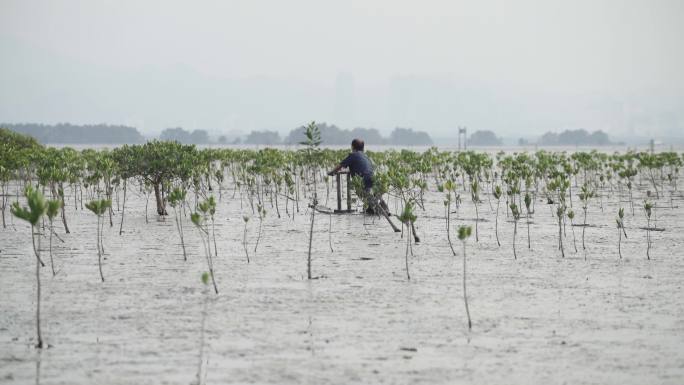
{"type": "Point", "coordinates": [335, 170]}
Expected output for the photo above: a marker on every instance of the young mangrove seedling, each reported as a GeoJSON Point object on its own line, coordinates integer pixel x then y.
{"type": "Point", "coordinates": [560, 211]}
{"type": "Point", "coordinates": [245, 219]}
{"type": "Point", "coordinates": [463, 234]}
{"type": "Point", "coordinates": [515, 212]}
{"type": "Point", "coordinates": [407, 217]}
{"type": "Point", "coordinates": [571, 217]}
{"type": "Point", "coordinates": [560, 185]}
{"type": "Point", "coordinates": [212, 213]}
{"type": "Point", "coordinates": [475, 194]}
{"type": "Point", "coordinates": [205, 282]}
{"type": "Point", "coordinates": [99, 207]}
{"type": "Point", "coordinates": [262, 214]}
{"type": "Point", "coordinates": [497, 194]}
{"type": "Point", "coordinates": [32, 214]}
{"type": "Point", "coordinates": [528, 203]}
{"type": "Point", "coordinates": [584, 197]}
{"type": "Point", "coordinates": [648, 209]}
{"type": "Point", "coordinates": [53, 207]}
{"type": "Point", "coordinates": [200, 220]}
{"type": "Point", "coordinates": [449, 186]}
{"type": "Point", "coordinates": [621, 228]}
{"type": "Point", "coordinates": [176, 199]}
{"type": "Point", "coordinates": [313, 140]}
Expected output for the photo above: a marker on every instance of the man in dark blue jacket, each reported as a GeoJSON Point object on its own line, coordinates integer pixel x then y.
{"type": "Point", "coordinates": [358, 164]}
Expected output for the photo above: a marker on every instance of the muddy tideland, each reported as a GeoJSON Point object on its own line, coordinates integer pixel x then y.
{"type": "Point", "coordinates": [589, 317]}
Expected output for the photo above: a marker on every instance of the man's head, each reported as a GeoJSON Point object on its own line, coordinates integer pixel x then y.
{"type": "Point", "coordinates": [357, 145]}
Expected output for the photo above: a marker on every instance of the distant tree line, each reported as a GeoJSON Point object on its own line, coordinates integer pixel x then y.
{"type": "Point", "coordinates": [484, 138]}
{"type": "Point", "coordinates": [186, 137]}
{"type": "Point", "coordinates": [66, 133]}
{"type": "Point", "coordinates": [575, 138]}
{"type": "Point", "coordinates": [566, 138]}
{"type": "Point", "coordinates": [333, 135]}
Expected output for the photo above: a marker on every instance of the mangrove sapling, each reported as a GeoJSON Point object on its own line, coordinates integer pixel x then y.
{"type": "Point", "coordinates": [262, 214]}
{"type": "Point", "coordinates": [330, 243]}
{"type": "Point", "coordinates": [560, 210]}
{"type": "Point", "coordinates": [407, 217]}
{"type": "Point", "coordinates": [497, 194]}
{"type": "Point", "coordinates": [584, 198]}
{"type": "Point", "coordinates": [205, 282]}
{"type": "Point", "coordinates": [32, 214]}
{"type": "Point", "coordinates": [648, 207]}
{"type": "Point", "coordinates": [176, 199]}
{"type": "Point", "coordinates": [528, 202]}
{"type": "Point", "coordinates": [99, 207]}
{"type": "Point", "coordinates": [53, 207]}
{"type": "Point", "coordinates": [123, 207]}
{"type": "Point", "coordinates": [212, 211]}
{"type": "Point", "coordinates": [474, 193]}
{"type": "Point", "coordinates": [621, 228]}
{"type": "Point", "coordinates": [560, 185]}
{"type": "Point", "coordinates": [515, 212]}
{"type": "Point", "coordinates": [449, 186]}
{"type": "Point", "coordinates": [245, 219]}
{"type": "Point", "coordinates": [463, 234]}
{"type": "Point", "coordinates": [200, 220]}
{"type": "Point", "coordinates": [571, 216]}
{"type": "Point", "coordinates": [313, 140]}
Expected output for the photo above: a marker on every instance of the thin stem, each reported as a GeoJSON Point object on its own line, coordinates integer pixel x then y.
{"type": "Point", "coordinates": [52, 263]}
{"type": "Point", "coordinates": [258, 234]}
{"type": "Point", "coordinates": [35, 250]}
{"type": "Point", "coordinates": [619, 241]}
{"type": "Point", "coordinates": [99, 250]}
{"type": "Point", "coordinates": [244, 242]}
{"type": "Point", "coordinates": [465, 295]}
{"type": "Point", "coordinates": [39, 345]}
{"type": "Point", "coordinates": [308, 260]}
{"type": "Point", "coordinates": [330, 233]}
{"type": "Point", "coordinates": [408, 240]}
{"type": "Point", "coordinates": [529, 246]}
{"type": "Point", "coordinates": [496, 224]}
{"type": "Point", "coordinates": [515, 232]}
{"type": "Point", "coordinates": [448, 222]}
{"type": "Point", "coordinates": [123, 208]}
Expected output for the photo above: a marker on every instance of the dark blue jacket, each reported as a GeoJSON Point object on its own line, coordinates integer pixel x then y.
{"type": "Point", "coordinates": [359, 164]}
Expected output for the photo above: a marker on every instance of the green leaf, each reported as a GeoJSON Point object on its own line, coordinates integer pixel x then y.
{"type": "Point", "coordinates": [53, 207]}
{"type": "Point", "coordinates": [36, 206]}
{"type": "Point", "coordinates": [464, 232]}
{"type": "Point", "coordinates": [196, 219]}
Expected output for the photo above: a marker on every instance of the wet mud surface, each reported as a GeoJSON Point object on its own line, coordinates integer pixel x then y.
{"type": "Point", "coordinates": [588, 318]}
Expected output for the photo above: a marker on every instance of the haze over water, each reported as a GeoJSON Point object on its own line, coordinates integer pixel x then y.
{"type": "Point", "coordinates": [518, 68]}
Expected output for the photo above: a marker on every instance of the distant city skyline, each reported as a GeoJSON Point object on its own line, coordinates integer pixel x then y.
{"type": "Point", "coordinates": [519, 69]}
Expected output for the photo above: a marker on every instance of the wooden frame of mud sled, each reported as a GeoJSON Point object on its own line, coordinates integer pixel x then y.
{"type": "Point", "coordinates": [338, 186]}
{"type": "Point", "coordinates": [377, 208]}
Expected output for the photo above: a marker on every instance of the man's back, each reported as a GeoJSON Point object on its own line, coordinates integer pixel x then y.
{"type": "Point", "coordinates": [359, 164]}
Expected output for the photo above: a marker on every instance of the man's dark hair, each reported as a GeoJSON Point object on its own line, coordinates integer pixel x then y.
{"type": "Point", "coordinates": [357, 144]}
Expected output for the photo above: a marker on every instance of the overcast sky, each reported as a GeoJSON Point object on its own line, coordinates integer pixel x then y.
{"type": "Point", "coordinates": [516, 67]}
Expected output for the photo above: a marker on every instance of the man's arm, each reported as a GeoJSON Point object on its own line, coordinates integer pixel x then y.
{"type": "Point", "coordinates": [336, 169]}
{"type": "Point", "coordinates": [344, 163]}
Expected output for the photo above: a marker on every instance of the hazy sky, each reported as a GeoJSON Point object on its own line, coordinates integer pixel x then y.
{"type": "Point", "coordinates": [515, 67]}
